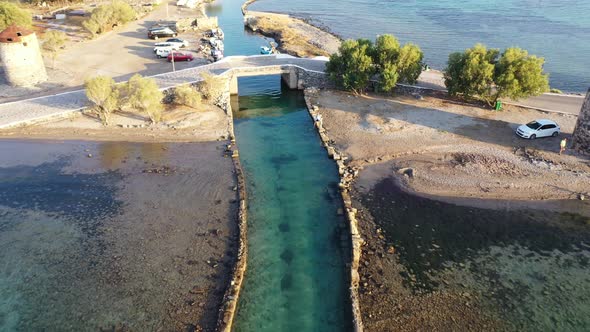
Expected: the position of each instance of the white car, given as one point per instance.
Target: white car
(538, 128)
(163, 52)
(165, 46)
(177, 41)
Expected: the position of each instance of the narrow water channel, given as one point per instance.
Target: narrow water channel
(296, 278)
(238, 40)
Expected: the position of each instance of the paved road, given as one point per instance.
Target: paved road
(35, 109)
(42, 108)
(570, 104)
(551, 102)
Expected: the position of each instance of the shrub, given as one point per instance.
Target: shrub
(212, 87)
(554, 90)
(105, 17)
(103, 93)
(187, 95)
(143, 95)
(11, 13)
(52, 43)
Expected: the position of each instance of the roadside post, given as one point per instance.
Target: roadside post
(172, 54)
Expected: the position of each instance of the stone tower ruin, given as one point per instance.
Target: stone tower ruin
(20, 57)
(582, 131)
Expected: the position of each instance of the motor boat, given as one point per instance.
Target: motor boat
(266, 50)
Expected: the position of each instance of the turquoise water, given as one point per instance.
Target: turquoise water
(296, 279)
(556, 30)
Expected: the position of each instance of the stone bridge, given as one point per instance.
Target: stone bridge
(297, 73)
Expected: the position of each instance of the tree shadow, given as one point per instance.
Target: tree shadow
(486, 130)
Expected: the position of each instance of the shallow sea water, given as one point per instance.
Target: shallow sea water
(99, 243)
(296, 279)
(559, 31)
(528, 267)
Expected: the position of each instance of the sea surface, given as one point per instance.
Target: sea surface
(558, 30)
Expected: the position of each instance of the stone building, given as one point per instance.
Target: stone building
(581, 140)
(20, 57)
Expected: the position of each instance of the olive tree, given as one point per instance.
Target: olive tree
(52, 42)
(520, 75)
(104, 95)
(143, 95)
(11, 13)
(352, 67)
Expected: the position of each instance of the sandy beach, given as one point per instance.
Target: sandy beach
(447, 149)
(179, 124)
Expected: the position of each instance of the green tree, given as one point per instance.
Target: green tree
(409, 63)
(352, 67)
(11, 13)
(520, 75)
(471, 73)
(103, 93)
(386, 50)
(187, 95)
(52, 42)
(143, 94)
(483, 73)
(105, 17)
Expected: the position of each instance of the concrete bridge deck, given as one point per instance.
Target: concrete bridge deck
(43, 108)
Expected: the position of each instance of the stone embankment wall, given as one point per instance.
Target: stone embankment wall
(347, 175)
(581, 139)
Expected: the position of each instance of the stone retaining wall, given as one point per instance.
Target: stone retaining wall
(229, 304)
(347, 175)
(581, 138)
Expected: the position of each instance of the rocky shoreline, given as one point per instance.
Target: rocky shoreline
(295, 36)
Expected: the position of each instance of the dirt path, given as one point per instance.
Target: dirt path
(447, 149)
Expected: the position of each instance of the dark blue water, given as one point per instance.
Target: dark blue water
(557, 30)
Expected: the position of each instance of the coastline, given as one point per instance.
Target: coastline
(295, 36)
(398, 286)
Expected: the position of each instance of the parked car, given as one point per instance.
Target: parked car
(180, 56)
(178, 41)
(163, 52)
(538, 128)
(161, 32)
(168, 46)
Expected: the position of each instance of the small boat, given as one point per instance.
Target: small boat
(266, 50)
